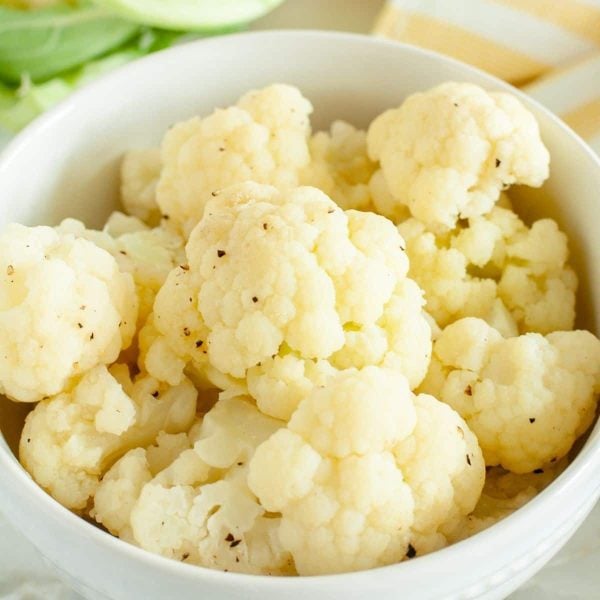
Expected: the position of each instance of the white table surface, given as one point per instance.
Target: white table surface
(574, 574)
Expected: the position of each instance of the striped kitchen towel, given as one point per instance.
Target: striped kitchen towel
(550, 48)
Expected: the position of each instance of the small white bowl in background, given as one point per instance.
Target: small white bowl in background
(66, 164)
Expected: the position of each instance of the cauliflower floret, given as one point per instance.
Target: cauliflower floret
(448, 152)
(199, 509)
(340, 167)
(264, 138)
(537, 285)
(140, 171)
(383, 201)
(496, 268)
(442, 272)
(64, 308)
(274, 274)
(526, 398)
(503, 494)
(358, 477)
(443, 465)
(148, 254)
(122, 484)
(70, 440)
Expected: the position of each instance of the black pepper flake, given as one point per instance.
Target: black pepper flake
(538, 471)
(199, 343)
(221, 149)
(265, 226)
(331, 211)
(532, 419)
(254, 299)
(162, 522)
(411, 552)
(229, 537)
(186, 331)
(190, 299)
(155, 394)
(468, 460)
(460, 432)
(553, 459)
(505, 186)
(29, 440)
(469, 390)
(213, 194)
(235, 543)
(221, 253)
(185, 556)
(184, 267)
(455, 104)
(166, 217)
(10, 270)
(240, 464)
(237, 559)
(82, 307)
(80, 325)
(498, 162)
(123, 252)
(92, 335)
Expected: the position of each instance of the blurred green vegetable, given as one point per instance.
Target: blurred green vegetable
(47, 53)
(199, 15)
(42, 43)
(20, 106)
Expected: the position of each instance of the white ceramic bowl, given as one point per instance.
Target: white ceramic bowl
(66, 165)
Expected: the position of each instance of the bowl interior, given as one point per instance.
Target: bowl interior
(66, 164)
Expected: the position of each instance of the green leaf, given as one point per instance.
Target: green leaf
(42, 43)
(199, 15)
(20, 106)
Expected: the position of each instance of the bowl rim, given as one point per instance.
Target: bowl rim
(582, 468)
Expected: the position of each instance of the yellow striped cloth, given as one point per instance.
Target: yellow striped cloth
(550, 48)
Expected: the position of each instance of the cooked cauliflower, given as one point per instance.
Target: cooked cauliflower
(199, 508)
(442, 272)
(496, 268)
(147, 254)
(64, 308)
(263, 138)
(358, 477)
(443, 465)
(448, 152)
(526, 398)
(340, 167)
(70, 440)
(383, 201)
(140, 171)
(504, 493)
(122, 484)
(247, 373)
(289, 274)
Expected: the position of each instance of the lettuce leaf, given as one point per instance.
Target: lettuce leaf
(43, 43)
(20, 106)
